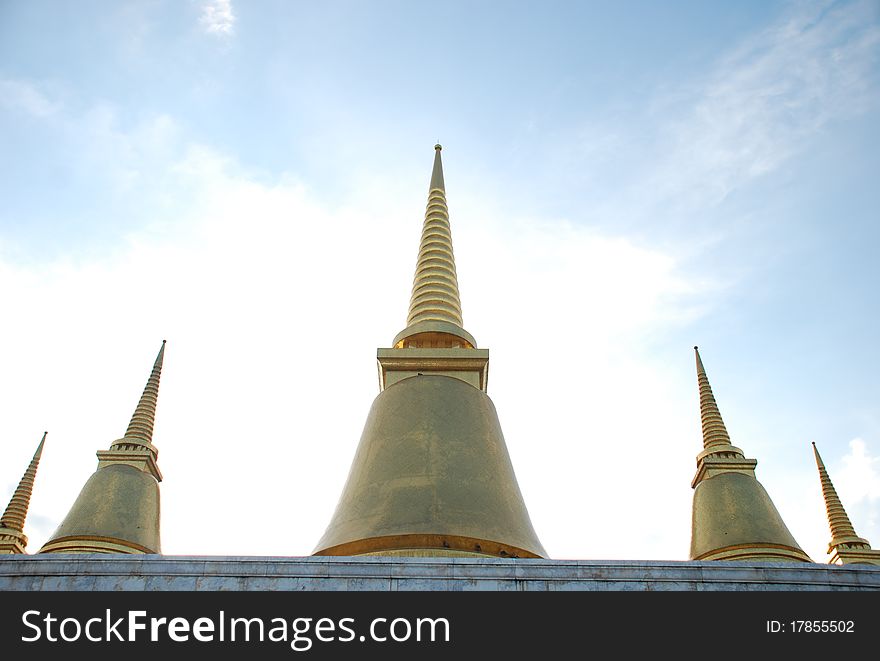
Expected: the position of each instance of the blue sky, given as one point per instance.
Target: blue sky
(625, 180)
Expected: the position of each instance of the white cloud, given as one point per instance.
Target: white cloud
(859, 479)
(218, 18)
(762, 103)
(125, 157)
(22, 95)
(98, 142)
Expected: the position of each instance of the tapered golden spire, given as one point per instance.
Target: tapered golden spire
(845, 546)
(435, 305)
(117, 510)
(12, 537)
(733, 515)
(838, 521)
(434, 340)
(435, 285)
(432, 475)
(141, 426)
(714, 431)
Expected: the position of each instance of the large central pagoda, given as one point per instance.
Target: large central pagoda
(432, 475)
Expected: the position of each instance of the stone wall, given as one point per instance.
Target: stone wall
(156, 572)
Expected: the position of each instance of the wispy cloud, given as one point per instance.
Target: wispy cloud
(760, 105)
(22, 95)
(218, 18)
(119, 163)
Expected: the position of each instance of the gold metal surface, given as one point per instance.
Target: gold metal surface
(735, 519)
(436, 333)
(435, 286)
(714, 431)
(845, 547)
(733, 516)
(469, 365)
(12, 537)
(425, 545)
(117, 510)
(435, 298)
(432, 471)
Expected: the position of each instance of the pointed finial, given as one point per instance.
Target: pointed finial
(140, 429)
(437, 172)
(39, 452)
(818, 457)
(15, 514)
(714, 432)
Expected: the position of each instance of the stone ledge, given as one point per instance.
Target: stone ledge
(375, 573)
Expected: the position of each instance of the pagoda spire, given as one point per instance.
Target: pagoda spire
(434, 340)
(845, 546)
(435, 294)
(733, 515)
(12, 537)
(714, 432)
(434, 318)
(838, 521)
(117, 510)
(140, 429)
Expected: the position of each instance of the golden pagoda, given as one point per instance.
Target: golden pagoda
(432, 475)
(845, 546)
(117, 510)
(12, 537)
(733, 515)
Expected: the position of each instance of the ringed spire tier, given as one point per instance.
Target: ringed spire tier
(714, 432)
(432, 475)
(140, 429)
(434, 318)
(117, 510)
(733, 515)
(12, 537)
(845, 547)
